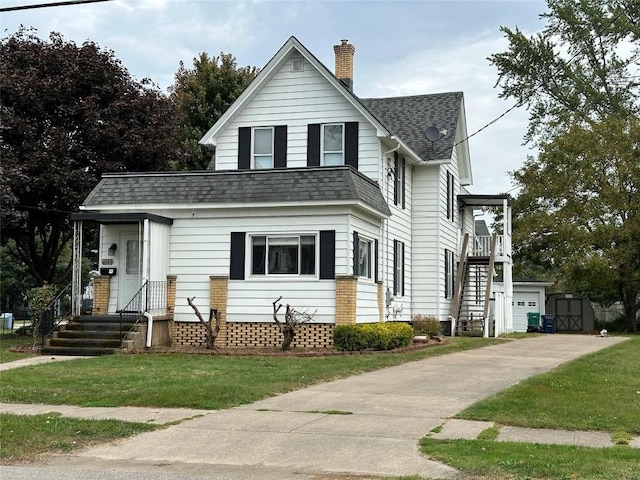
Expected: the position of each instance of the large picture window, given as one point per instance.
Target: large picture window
(333, 144)
(283, 255)
(263, 147)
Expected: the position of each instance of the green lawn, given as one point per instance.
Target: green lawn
(26, 437)
(192, 381)
(600, 391)
(6, 342)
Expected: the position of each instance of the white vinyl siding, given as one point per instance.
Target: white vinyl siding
(297, 99)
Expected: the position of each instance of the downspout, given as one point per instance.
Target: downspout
(149, 318)
(385, 250)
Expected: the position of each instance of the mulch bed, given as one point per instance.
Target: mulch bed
(293, 352)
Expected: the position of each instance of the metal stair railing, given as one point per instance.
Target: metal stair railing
(151, 296)
(55, 313)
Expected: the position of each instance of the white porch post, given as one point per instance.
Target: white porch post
(76, 277)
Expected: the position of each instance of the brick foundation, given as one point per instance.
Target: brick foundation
(218, 293)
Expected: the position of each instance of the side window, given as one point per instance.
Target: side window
(332, 146)
(450, 196)
(448, 273)
(364, 257)
(398, 267)
(262, 154)
(399, 180)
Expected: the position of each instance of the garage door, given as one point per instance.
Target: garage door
(523, 303)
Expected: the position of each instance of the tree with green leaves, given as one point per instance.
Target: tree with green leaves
(202, 94)
(69, 113)
(578, 208)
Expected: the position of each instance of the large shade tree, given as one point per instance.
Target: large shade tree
(578, 209)
(202, 94)
(69, 113)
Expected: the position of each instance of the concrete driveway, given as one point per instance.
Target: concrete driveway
(367, 424)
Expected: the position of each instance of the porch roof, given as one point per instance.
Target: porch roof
(277, 185)
(469, 200)
(120, 217)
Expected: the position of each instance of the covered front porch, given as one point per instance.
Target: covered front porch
(130, 285)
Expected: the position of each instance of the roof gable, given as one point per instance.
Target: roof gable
(291, 46)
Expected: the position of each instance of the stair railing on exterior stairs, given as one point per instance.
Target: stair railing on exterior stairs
(55, 312)
(150, 297)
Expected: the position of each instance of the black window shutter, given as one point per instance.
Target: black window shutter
(327, 254)
(244, 148)
(402, 269)
(447, 267)
(395, 267)
(356, 250)
(351, 144)
(404, 185)
(313, 145)
(396, 174)
(375, 260)
(280, 147)
(236, 270)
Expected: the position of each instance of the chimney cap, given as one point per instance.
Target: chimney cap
(344, 41)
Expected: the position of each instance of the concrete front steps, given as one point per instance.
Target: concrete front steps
(88, 335)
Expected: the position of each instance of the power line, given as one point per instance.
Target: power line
(558, 67)
(52, 4)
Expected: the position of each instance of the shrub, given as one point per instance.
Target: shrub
(372, 336)
(429, 326)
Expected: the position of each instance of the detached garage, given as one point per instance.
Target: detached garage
(528, 297)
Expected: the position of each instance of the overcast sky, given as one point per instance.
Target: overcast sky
(402, 48)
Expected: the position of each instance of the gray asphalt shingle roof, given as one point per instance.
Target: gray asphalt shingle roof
(323, 184)
(409, 117)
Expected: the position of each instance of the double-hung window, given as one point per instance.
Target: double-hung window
(262, 147)
(449, 273)
(398, 267)
(364, 257)
(283, 255)
(332, 144)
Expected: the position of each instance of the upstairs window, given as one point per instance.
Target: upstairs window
(290, 255)
(263, 147)
(451, 196)
(332, 144)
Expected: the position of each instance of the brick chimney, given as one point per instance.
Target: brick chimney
(344, 62)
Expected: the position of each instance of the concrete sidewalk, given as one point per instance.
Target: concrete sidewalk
(367, 424)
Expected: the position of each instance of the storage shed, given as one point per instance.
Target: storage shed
(574, 313)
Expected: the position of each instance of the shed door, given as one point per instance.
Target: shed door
(523, 303)
(129, 280)
(569, 314)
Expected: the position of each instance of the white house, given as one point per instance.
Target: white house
(356, 209)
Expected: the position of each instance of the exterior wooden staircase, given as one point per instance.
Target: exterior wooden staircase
(472, 290)
(89, 335)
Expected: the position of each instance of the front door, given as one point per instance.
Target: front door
(129, 272)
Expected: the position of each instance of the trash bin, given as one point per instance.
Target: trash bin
(549, 323)
(6, 320)
(533, 319)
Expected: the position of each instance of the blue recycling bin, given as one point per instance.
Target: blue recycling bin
(548, 323)
(6, 321)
